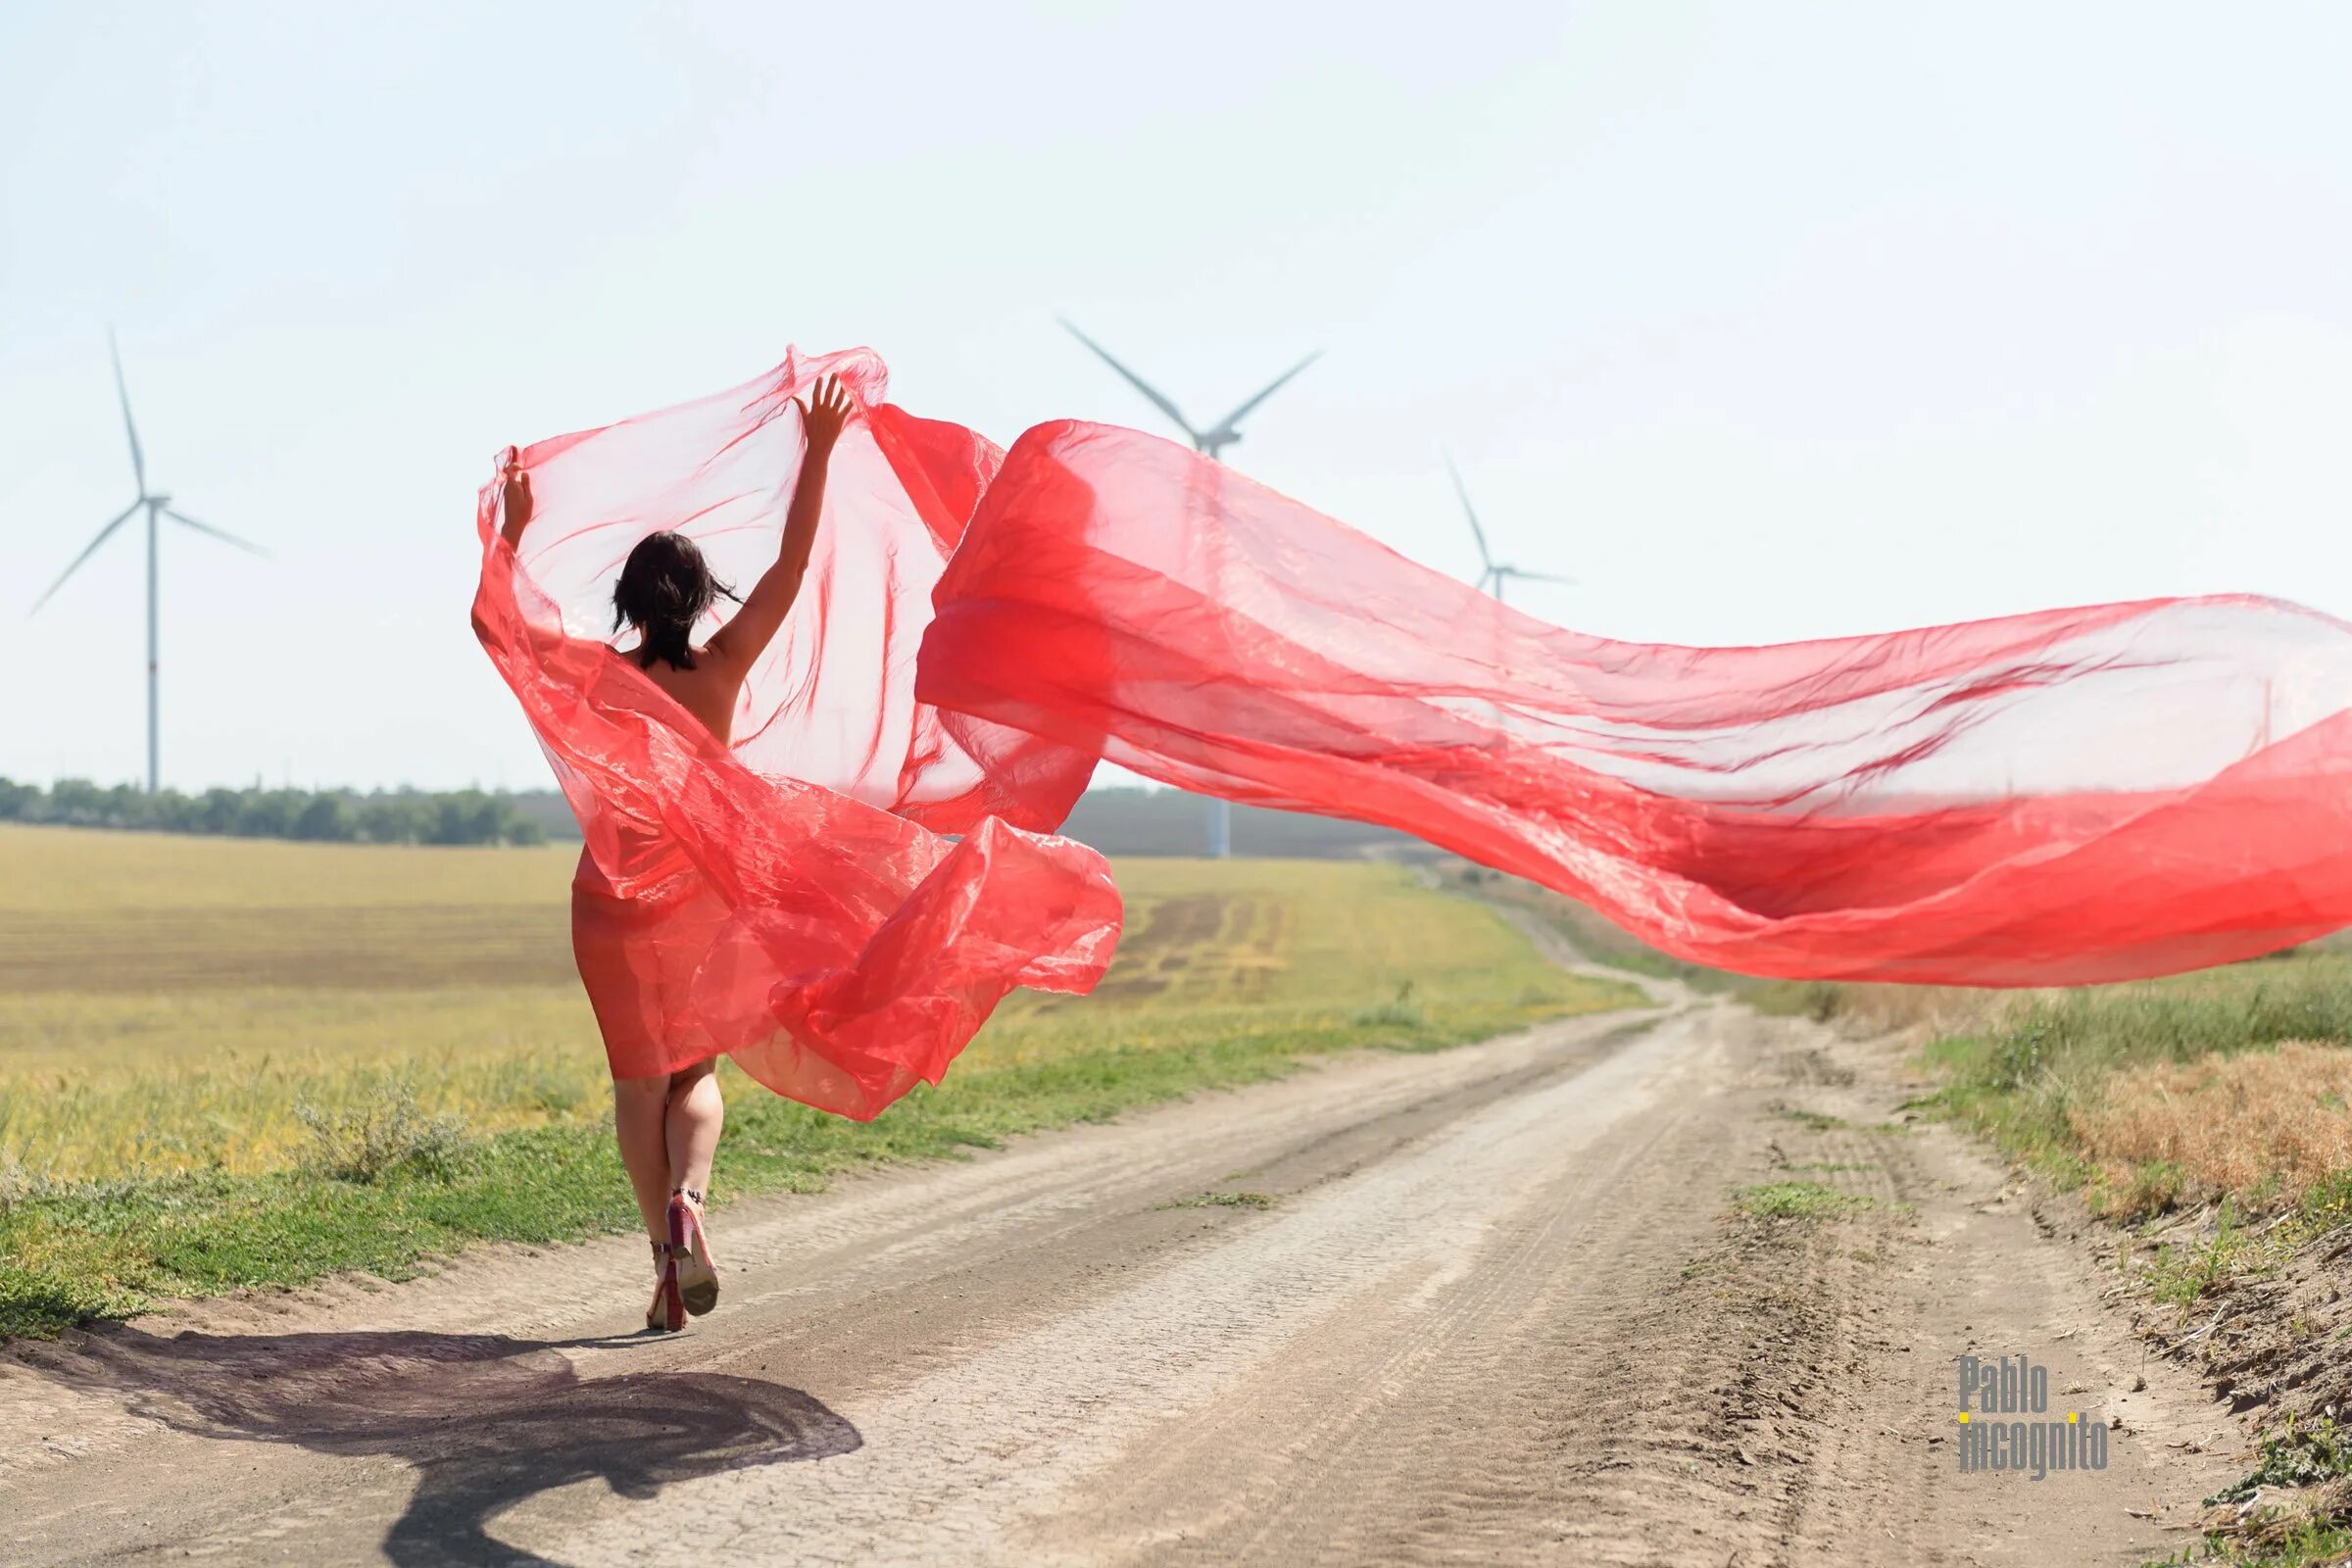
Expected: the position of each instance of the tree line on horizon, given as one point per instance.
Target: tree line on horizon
(322, 817)
(1115, 819)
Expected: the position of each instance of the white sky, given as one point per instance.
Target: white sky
(1765, 320)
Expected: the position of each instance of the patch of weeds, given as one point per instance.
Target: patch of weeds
(2182, 1273)
(1822, 1122)
(2307, 1543)
(19, 1184)
(385, 1134)
(1400, 1011)
(1805, 1201)
(2145, 1190)
(1817, 999)
(2306, 1468)
(558, 1095)
(2296, 1454)
(1222, 1200)
(2327, 1204)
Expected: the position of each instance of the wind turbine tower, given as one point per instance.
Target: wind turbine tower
(1211, 443)
(157, 506)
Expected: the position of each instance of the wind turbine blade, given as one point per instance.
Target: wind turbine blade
(1134, 380)
(1272, 387)
(87, 551)
(1486, 556)
(1538, 576)
(220, 534)
(139, 459)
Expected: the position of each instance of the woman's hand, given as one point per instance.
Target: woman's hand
(515, 497)
(824, 412)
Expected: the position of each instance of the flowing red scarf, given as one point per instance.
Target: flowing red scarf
(2063, 797)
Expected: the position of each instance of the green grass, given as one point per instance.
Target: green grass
(1800, 1201)
(175, 1003)
(87, 1249)
(1817, 999)
(258, 1111)
(1819, 1121)
(2309, 1546)
(2048, 1055)
(1223, 1200)
(2181, 1273)
(2296, 1454)
(1593, 935)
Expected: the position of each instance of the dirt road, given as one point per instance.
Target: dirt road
(1481, 1306)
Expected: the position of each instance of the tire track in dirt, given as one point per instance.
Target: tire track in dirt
(1028, 1427)
(1452, 1418)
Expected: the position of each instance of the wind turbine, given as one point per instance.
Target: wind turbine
(157, 506)
(1494, 573)
(1217, 437)
(1211, 443)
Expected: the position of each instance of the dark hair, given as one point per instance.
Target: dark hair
(665, 588)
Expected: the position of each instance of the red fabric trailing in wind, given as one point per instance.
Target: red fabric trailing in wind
(791, 900)
(2073, 796)
(2076, 796)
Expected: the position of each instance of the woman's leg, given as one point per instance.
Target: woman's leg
(695, 1114)
(640, 1118)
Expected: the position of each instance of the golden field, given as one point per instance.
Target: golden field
(168, 1003)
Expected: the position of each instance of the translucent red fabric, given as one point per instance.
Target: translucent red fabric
(2071, 796)
(788, 902)
(2074, 796)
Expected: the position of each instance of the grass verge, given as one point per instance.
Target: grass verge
(382, 1181)
(82, 1251)
(2227, 1087)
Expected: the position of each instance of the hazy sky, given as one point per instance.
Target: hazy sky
(1764, 321)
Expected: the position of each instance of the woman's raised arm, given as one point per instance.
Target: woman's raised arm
(516, 499)
(742, 640)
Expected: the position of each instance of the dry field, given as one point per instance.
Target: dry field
(172, 1003)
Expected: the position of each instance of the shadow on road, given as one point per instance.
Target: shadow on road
(486, 1421)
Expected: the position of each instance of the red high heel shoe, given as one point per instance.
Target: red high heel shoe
(668, 1311)
(690, 1249)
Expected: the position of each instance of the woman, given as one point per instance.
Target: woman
(667, 1116)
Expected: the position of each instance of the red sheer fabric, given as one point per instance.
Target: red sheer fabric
(788, 902)
(2071, 796)
(2075, 795)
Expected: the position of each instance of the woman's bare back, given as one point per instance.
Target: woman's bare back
(709, 691)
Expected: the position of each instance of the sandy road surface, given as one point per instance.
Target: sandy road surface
(1481, 1306)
